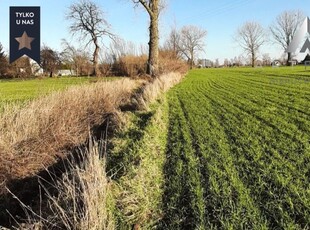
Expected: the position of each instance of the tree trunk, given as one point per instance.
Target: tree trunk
(192, 59)
(152, 67)
(253, 59)
(96, 71)
(289, 55)
(77, 72)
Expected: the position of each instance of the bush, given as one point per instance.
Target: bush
(130, 66)
(169, 62)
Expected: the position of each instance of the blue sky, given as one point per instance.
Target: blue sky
(219, 18)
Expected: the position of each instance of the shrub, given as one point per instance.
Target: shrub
(130, 66)
(169, 62)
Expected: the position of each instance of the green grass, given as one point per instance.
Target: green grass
(238, 151)
(136, 165)
(19, 91)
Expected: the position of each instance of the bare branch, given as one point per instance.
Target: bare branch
(145, 5)
(150, 5)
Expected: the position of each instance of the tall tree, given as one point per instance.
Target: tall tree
(191, 42)
(153, 8)
(251, 36)
(87, 20)
(284, 28)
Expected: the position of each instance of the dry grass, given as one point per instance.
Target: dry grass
(84, 193)
(157, 87)
(84, 199)
(33, 137)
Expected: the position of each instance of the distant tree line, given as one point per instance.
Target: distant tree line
(88, 24)
(121, 57)
(20, 68)
(251, 36)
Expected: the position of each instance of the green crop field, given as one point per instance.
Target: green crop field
(239, 150)
(18, 91)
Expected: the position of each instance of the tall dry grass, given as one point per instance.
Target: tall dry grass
(133, 66)
(33, 137)
(160, 85)
(84, 194)
(83, 199)
(130, 65)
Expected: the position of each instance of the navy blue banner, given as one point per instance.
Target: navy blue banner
(25, 33)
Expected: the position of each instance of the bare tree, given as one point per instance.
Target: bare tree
(87, 20)
(285, 27)
(120, 48)
(251, 36)
(50, 60)
(241, 60)
(68, 56)
(173, 41)
(75, 58)
(266, 59)
(226, 62)
(153, 8)
(191, 42)
(216, 63)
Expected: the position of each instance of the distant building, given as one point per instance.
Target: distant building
(205, 63)
(66, 72)
(306, 59)
(36, 68)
